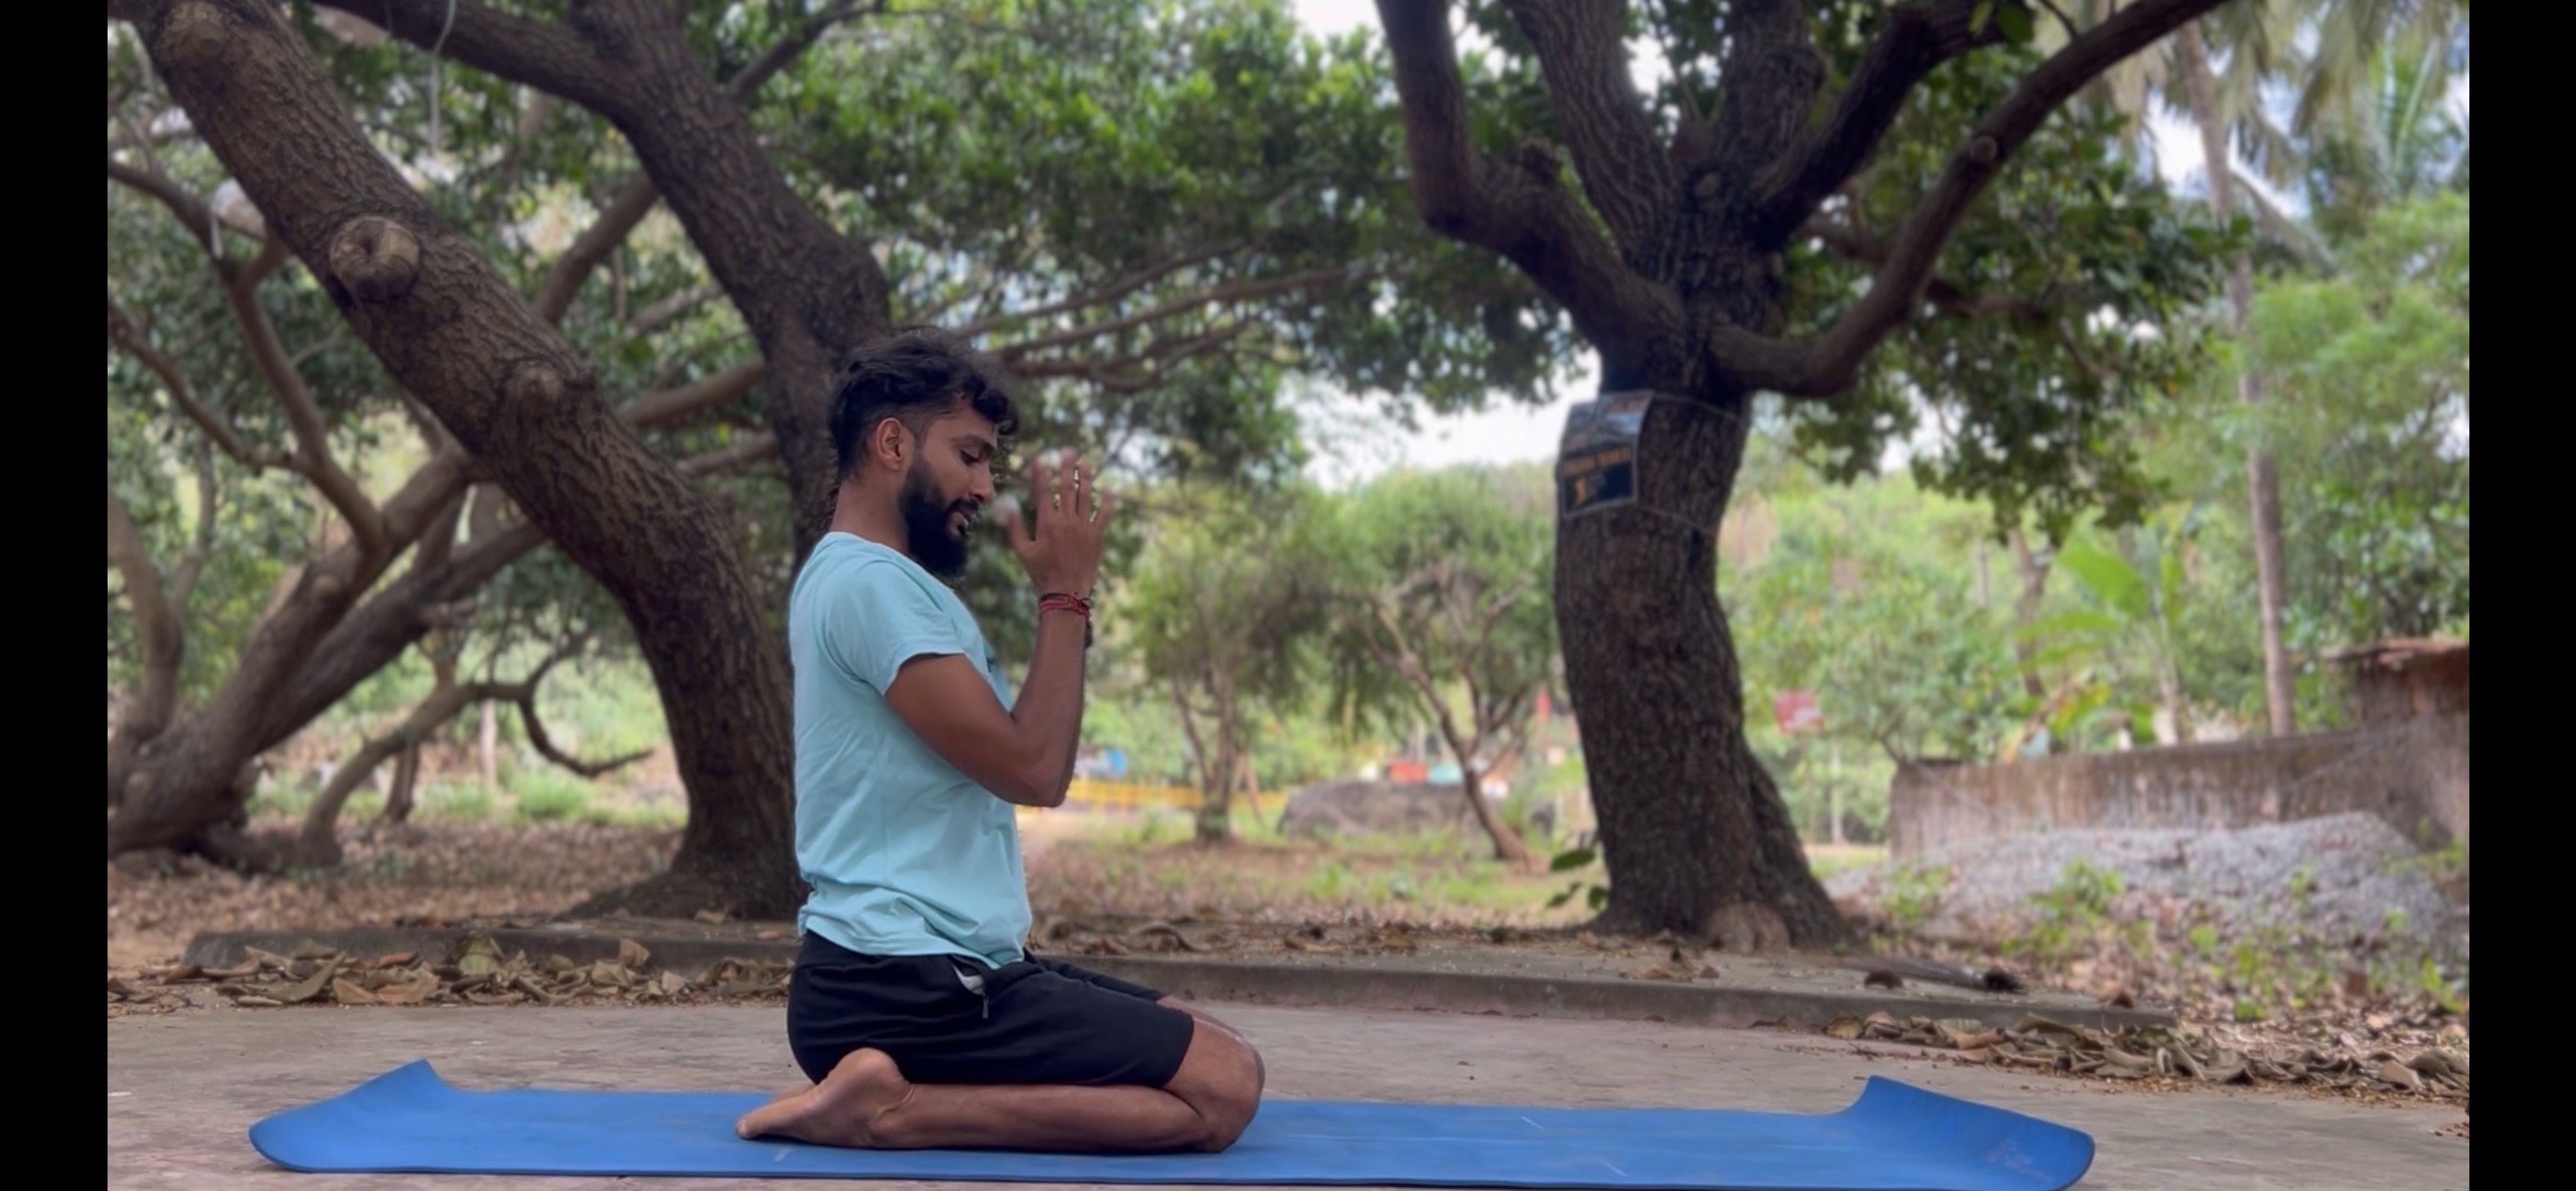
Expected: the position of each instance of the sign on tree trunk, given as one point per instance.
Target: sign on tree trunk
(1597, 461)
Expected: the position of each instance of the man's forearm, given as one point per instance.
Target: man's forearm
(1051, 702)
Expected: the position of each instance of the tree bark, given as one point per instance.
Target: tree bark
(1509, 847)
(399, 800)
(2034, 588)
(449, 330)
(318, 845)
(164, 642)
(1694, 832)
(1218, 773)
(2263, 482)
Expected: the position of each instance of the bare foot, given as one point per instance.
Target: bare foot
(840, 1111)
(793, 1092)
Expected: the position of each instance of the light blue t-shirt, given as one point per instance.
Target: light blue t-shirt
(902, 853)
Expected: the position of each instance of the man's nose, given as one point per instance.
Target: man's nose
(980, 488)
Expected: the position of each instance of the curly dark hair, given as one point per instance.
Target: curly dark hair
(916, 376)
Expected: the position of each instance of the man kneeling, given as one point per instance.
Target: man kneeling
(913, 1007)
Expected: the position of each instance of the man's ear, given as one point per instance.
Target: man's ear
(890, 439)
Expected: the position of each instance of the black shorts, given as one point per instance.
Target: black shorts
(1038, 1021)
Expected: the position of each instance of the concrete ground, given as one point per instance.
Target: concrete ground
(182, 1089)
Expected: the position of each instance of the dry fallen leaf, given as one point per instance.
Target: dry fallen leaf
(407, 992)
(632, 954)
(1844, 1027)
(307, 988)
(710, 917)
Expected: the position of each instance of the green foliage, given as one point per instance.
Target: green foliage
(1220, 616)
(2070, 914)
(1332, 881)
(2373, 371)
(1913, 891)
(461, 801)
(2031, 414)
(1442, 610)
(1069, 144)
(1584, 855)
(551, 796)
(1859, 600)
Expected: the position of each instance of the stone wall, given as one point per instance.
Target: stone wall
(2414, 774)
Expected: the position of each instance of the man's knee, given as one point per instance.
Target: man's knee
(1222, 1080)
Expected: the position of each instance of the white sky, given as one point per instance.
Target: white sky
(1508, 432)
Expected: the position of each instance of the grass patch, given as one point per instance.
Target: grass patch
(1826, 860)
(467, 801)
(551, 796)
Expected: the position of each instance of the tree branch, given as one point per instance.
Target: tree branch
(240, 282)
(540, 54)
(526, 700)
(752, 449)
(1828, 365)
(1107, 293)
(192, 212)
(1519, 210)
(313, 457)
(652, 317)
(380, 629)
(123, 335)
(1627, 175)
(1259, 288)
(1919, 36)
(1946, 296)
(674, 405)
(776, 58)
(633, 201)
(183, 577)
(1107, 374)
(154, 622)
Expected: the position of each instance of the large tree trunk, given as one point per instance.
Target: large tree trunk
(448, 329)
(2263, 481)
(1693, 830)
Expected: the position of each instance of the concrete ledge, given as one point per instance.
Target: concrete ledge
(1250, 981)
(1579, 997)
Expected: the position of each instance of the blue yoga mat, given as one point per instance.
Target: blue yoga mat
(1895, 1137)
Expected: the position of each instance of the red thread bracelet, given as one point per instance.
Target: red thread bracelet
(1056, 601)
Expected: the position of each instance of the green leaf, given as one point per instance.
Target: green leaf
(1600, 896)
(1577, 858)
(1562, 898)
(2015, 20)
(2073, 622)
(1977, 16)
(2108, 576)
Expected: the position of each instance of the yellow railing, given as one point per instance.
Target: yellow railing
(1088, 794)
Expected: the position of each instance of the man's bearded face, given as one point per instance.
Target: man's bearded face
(935, 523)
